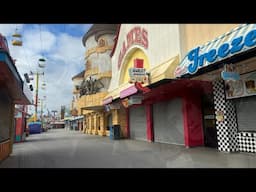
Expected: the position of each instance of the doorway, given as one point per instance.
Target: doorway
(209, 121)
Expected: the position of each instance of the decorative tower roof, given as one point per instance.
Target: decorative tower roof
(79, 75)
(100, 29)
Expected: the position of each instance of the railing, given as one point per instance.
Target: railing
(91, 100)
(5, 149)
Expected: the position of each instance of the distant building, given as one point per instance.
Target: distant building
(93, 87)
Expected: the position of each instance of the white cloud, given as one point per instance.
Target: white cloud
(39, 42)
(64, 58)
(9, 29)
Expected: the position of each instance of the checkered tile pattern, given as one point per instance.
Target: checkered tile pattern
(226, 130)
(247, 142)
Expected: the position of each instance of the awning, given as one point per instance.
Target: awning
(114, 94)
(234, 42)
(11, 80)
(164, 70)
(94, 108)
(73, 118)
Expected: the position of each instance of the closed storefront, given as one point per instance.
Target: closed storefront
(246, 116)
(138, 123)
(168, 122)
(229, 62)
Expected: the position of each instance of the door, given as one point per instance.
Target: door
(168, 122)
(109, 121)
(138, 123)
(209, 122)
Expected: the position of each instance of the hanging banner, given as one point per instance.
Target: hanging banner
(246, 86)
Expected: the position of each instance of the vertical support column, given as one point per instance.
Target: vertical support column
(96, 124)
(90, 123)
(11, 125)
(226, 129)
(127, 122)
(149, 117)
(102, 124)
(115, 120)
(85, 124)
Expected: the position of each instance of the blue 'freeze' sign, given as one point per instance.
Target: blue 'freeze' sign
(238, 40)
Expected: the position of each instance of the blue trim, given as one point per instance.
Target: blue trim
(239, 40)
(18, 138)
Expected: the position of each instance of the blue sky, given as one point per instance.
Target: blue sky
(61, 46)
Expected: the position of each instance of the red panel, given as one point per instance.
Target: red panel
(138, 63)
(149, 117)
(141, 88)
(190, 91)
(18, 126)
(185, 121)
(192, 114)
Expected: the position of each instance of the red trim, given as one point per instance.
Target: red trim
(116, 40)
(141, 88)
(149, 118)
(190, 91)
(192, 119)
(127, 123)
(185, 121)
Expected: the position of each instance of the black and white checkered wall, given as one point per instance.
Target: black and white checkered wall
(246, 142)
(229, 139)
(227, 129)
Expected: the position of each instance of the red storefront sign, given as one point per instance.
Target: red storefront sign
(136, 35)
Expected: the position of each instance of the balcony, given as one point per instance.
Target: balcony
(92, 102)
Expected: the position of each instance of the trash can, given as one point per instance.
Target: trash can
(35, 127)
(114, 132)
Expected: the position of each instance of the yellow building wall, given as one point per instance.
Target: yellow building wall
(124, 77)
(119, 118)
(115, 117)
(192, 35)
(122, 121)
(90, 100)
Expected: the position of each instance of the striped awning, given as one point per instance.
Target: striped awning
(232, 38)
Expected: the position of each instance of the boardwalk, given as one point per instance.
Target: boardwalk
(72, 149)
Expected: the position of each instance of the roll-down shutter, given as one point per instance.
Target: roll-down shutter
(138, 123)
(168, 122)
(246, 113)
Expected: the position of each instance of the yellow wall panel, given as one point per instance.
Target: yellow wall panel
(129, 63)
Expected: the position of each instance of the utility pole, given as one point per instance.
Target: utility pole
(41, 64)
(36, 96)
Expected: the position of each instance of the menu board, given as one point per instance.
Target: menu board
(246, 86)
